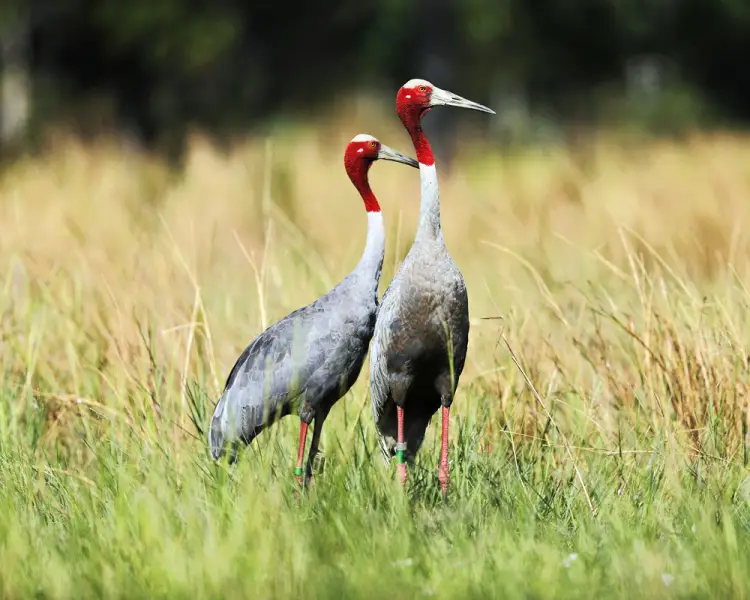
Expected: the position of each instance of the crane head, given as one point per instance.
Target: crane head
(360, 153)
(417, 96)
(364, 149)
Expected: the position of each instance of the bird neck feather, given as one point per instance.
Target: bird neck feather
(429, 209)
(372, 257)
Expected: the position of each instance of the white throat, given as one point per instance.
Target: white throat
(372, 257)
(429, 208)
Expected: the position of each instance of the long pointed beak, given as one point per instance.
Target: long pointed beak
(446, 98)
(387, 153)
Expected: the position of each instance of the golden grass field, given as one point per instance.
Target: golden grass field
(104, 239)
(615, 270)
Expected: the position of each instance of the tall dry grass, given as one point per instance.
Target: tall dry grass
(110, 243)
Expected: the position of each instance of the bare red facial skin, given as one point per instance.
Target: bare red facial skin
(358, 159)
(411, 104)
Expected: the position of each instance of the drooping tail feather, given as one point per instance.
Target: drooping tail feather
(217, 433)
(230, 428)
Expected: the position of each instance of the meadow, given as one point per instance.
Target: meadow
(599, 440)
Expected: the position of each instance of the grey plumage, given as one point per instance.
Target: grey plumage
(322, 345)
(421, 333)
(309, 359)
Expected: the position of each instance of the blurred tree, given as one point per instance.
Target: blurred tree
(15, 81)
(227, 65)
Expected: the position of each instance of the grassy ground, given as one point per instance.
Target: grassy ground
(599, 444)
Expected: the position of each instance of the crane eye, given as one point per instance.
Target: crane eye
(373, 144)
(422, 88)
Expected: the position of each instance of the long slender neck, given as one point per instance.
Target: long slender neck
(429, 208)
(371, 263)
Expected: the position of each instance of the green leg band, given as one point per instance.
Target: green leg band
(400, 457)
(298, 470)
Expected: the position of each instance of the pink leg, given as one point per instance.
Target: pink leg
(301, 451)
(443, 473)
(401, 446)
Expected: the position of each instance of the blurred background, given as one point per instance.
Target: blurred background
(153, 71)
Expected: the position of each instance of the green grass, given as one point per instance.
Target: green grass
(125, 516)
(542, 504)
(601, 452)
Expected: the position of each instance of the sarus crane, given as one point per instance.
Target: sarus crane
(309, 359)
(422, 329)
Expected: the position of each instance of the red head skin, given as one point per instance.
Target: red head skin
(358, 159)
(411, 104)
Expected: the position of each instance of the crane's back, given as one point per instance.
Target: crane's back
(305, 361)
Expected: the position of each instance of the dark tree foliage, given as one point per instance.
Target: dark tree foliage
(227, 65)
